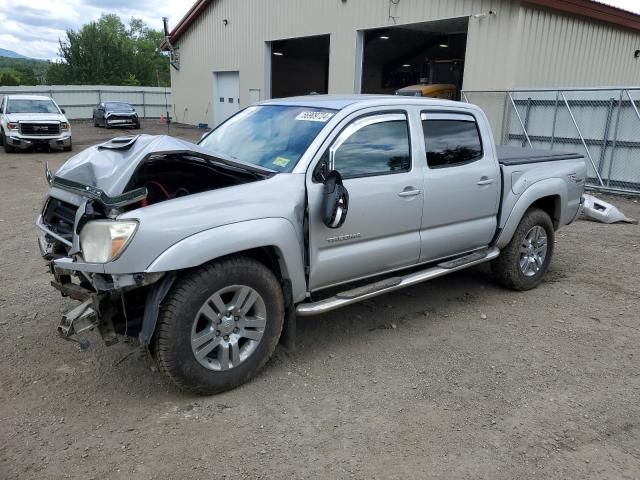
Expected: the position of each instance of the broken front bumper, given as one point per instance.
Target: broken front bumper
(106, 301)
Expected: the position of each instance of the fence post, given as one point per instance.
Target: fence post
(605, 137)
(144, 105)
(633, 104)
(575, 124)
(615, 139)
(526, 119)
(555, 119)
(524, 130)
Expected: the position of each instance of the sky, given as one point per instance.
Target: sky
(33, 27)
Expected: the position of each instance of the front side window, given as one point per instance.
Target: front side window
(377, 148)
(272, 136)
(15, 105)
(451, 142)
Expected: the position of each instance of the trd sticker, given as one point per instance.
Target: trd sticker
(314, 116)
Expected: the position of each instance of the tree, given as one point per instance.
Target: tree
(108, 52)
(9, 79)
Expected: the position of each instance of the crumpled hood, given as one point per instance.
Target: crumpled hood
(110, 169)
(34, 117)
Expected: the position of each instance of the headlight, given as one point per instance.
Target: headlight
(64, 126)
(104, 240)
(12, 126)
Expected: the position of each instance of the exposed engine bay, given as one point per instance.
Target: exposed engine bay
(170, 176)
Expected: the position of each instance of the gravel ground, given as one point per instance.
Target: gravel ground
(456, 378)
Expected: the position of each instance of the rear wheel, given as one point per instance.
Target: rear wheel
(524, 261)
(95, 122)
(219, 325)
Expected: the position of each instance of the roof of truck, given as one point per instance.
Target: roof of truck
(338, 102)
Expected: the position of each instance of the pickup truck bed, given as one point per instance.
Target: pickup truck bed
(510, 155)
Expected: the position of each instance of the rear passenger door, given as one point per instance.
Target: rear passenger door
(373, 154)
(461, 185)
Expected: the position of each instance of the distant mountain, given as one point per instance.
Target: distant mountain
(10, 54)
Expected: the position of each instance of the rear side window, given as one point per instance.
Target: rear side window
(451, 142)
(376, 149)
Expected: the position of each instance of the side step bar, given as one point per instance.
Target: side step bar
(394, 283)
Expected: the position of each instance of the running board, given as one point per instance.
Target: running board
(394, 283)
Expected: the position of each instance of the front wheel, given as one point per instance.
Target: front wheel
(219, 325)
(524, 261)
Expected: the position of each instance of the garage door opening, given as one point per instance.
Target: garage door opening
(299, 66)
(416, 59)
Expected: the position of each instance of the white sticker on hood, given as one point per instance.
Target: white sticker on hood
(314, 116)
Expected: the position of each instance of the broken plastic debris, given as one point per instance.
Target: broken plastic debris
(595, 209)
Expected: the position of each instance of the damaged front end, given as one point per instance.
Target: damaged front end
(89, 220)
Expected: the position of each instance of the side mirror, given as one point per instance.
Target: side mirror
(62, 110)
(335, 202)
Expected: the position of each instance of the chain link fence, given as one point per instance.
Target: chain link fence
(602, 124)
(80, 100)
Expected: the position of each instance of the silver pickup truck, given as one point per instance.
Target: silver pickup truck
(296, 206)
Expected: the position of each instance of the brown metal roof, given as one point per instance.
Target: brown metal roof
(583, 8)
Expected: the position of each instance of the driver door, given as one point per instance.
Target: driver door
(381, 232)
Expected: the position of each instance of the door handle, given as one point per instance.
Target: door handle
(486, 181)
(410, 192)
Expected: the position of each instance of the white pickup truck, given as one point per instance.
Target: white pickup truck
(31, 120)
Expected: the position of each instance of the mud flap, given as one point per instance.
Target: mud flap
(155, 298)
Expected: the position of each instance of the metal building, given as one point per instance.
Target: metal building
(230, 53)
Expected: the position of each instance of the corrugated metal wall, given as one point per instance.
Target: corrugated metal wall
(521, 46)
(210, 46)
(559, 50)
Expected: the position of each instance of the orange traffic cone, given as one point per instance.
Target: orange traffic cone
(162, 119)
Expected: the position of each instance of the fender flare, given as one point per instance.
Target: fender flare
(544, 188)
(217, 242)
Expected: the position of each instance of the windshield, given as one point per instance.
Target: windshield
(118, 107)
(15, 105)
(271, 136)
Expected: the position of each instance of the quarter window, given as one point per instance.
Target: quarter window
(451, 142)
(375, 149)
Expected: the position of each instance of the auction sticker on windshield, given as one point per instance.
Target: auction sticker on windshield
(314, 116)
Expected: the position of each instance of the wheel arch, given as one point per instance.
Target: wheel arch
(548, 195)
(271, 241)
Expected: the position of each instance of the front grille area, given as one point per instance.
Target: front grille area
(128, 118)
(40, 128)
(59, 217)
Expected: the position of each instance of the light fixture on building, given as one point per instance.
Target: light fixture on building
(278, 54)
(406, 65)
(444, 45)
(383, 37)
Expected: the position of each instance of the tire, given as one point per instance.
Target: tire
(7, 148)
(69, 148)
(191, 309)
(137, 125)
(1, 138)
(95, 122)
(514, 268)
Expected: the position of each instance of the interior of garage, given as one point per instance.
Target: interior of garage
(300, 66)
(413, 54)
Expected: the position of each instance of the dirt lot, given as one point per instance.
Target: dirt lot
(456, 378)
